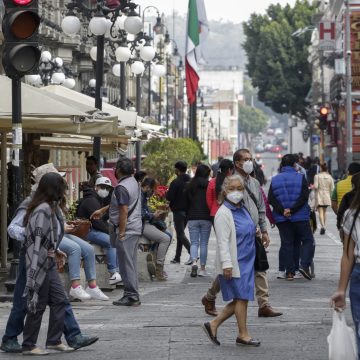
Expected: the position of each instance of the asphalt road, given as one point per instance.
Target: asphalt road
(168, 323)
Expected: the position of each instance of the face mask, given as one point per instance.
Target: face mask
(103, 193)
(235, 196)
(248, 167)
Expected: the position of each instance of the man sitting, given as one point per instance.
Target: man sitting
(99, 232)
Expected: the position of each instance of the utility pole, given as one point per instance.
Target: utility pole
(349, 150)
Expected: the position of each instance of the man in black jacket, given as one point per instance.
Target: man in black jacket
(99, 232)
(177, 200)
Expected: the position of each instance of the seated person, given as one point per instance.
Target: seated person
(99, 232)
(150, 231)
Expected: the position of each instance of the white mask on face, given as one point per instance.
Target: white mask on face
(248, 166)
(103, 193)
(235, 196)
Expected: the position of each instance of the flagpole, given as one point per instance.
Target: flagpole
(193, 119)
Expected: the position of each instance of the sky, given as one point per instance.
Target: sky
(232, 10)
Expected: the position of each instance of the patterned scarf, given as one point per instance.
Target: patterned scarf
(42, 234)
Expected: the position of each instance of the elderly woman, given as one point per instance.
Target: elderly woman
(235, 236)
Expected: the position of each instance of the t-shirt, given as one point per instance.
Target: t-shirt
(355, 235)
(122, 195)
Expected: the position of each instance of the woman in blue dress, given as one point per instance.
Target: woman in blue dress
(235, 256)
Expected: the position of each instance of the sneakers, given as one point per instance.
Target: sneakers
(126, 301)
(203, 273)
(298, 275)
(115, 278)
(82, 340)
(322, 231)
(305, 273)
(96, 294)
(35, 351)
(79, 293)
(189, 262)
(194, 270)
(281, 275)
(11, 346)
(60, 347)
(174, 261)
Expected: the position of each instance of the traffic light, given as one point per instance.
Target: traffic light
(21, 53)
(323, 115)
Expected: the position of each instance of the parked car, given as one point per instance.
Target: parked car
(276, 149)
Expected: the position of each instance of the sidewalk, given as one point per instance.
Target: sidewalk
(168, 323)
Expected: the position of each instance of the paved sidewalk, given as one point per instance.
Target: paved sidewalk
(168, 323)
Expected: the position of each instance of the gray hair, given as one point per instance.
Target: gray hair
(226, 184)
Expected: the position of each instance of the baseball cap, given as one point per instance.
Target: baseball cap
(40, 171)
(103, 181)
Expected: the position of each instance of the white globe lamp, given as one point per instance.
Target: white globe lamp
(58, 78)
(69, 83)
(33, 79)
(137, 67)
(71, 25)
(116, 70)
(93, 53)
(92, 83)
(58, 61)
(98, 25)
(133, 23)
(45, 56)
(159, 70)
(147, 53)
(122, 54)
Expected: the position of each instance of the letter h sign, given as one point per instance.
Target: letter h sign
(327, 28)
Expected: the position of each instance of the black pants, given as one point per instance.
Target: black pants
(51, 293)
(180, 222)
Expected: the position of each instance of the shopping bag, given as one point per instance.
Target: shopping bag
(341, 340)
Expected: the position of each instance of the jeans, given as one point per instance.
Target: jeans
(294, 235)
(102, 239)
(181, 239)
(15, 323)
(199, 231)
(77, 249)
(354, 294)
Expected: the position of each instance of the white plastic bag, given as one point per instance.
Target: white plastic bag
(341, 340)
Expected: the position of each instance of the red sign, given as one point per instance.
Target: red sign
(327, 28)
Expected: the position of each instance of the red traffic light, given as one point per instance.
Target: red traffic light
(22, 2)
(324, 111)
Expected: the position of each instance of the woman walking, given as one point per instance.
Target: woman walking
(199, 220)
(44, 231)
(324, 186)
(350, 263)
(235, 256)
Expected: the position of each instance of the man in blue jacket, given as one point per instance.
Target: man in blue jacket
(288, 195)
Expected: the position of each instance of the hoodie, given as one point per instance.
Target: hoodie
(175, 194)
(195, 195)
(88, 204)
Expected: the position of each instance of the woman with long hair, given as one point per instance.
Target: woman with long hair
(324, 186)
(199, 220)
(350, 263)
(44, 230)
(235, 256)
(226, 168)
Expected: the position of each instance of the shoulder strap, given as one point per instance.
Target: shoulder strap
(253, 198)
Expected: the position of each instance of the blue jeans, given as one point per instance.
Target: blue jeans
(77, 249)
(199, 231)
(15, 323)
(102, 239)
(354, 294)
(295, 235)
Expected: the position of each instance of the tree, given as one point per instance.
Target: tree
(277, 60)
(163, 154)
(251, 120)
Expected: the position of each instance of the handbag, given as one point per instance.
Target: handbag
(81, 228)
(341, 340)
(261, 262)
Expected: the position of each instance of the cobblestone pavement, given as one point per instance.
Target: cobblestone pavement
(168, 323)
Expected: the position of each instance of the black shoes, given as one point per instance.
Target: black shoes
(82, 340)
(305, 273)
(322, 231)
(194, 271)
(127, 301)
(207, 329)
(174, 261)
(250, 342)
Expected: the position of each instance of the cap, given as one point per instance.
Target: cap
(103, 181)
(38, 173)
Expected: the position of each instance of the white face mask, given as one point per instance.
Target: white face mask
(103, 193)
(248, 166)
(235, 196)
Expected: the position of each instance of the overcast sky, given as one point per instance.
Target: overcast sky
(233, 10)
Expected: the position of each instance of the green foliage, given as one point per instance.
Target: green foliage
(251, 120)
(163, 154)
(277, 60)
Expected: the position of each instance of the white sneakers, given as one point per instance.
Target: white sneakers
(81, 294)
(96, 294)
(281, 275)
(115, 279)
(298, 275)
(203, 273)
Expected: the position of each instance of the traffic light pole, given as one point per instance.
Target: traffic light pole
(98, 89)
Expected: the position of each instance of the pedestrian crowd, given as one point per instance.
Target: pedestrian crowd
(228, 198)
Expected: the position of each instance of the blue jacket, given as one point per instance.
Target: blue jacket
(289, 190)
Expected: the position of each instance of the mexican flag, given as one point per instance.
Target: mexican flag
(197, 31)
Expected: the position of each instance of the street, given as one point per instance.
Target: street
(168, 323)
